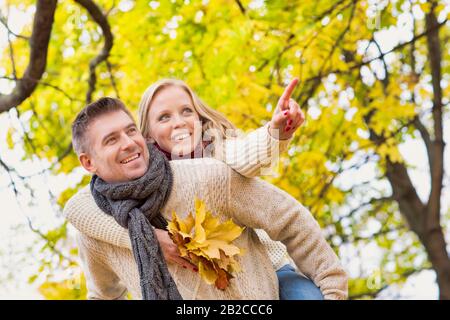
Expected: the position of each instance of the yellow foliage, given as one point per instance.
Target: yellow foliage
(207, 243)
(70, 289)
(389, 150)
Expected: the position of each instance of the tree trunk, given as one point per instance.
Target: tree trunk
(434, 240)
(424, 219)
(435, 246)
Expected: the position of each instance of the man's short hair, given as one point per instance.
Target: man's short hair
(86, 116)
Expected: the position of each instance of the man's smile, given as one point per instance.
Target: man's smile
(130, 158)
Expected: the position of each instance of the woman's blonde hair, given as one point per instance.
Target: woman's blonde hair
(214, 123)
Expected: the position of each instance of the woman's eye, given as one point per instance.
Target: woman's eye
(187, 110)
(163, 117)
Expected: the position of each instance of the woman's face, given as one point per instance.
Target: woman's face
(174, 124)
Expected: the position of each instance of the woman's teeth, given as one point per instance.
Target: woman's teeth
(181, 136)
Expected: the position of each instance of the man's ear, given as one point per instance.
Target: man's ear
(87, 163)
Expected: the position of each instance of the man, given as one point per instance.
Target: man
(109, 146)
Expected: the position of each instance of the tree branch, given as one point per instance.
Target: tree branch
(39, 41)
(386, 72)
(241, 6)
(111, 76)
(4, 22)
(417, 122)
(371, 202)
(363, 63)
(426, 139)
(353, 239)
(101, 19)
(434, 239)
(316, 82)
(437, 150)
(333, 8)
(11, 55)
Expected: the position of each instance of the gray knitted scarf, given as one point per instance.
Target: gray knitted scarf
(135, 205)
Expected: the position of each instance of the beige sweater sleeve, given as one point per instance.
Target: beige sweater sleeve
(260, 205)
(101, 281)
(254, 154)
(91, 221)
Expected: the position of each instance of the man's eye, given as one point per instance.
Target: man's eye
(132, 131)
(111, 141)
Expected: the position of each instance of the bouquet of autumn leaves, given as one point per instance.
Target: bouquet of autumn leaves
(207, 243)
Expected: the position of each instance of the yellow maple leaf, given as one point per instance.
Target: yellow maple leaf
(200, 215)
(207, 243)
(207, 272)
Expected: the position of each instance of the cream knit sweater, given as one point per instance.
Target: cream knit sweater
(252, 203)
(252, 155)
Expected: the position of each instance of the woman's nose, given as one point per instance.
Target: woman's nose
(178, 122)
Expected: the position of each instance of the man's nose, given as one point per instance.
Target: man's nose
(127, 142)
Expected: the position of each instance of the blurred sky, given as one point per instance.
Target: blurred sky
(17, 241)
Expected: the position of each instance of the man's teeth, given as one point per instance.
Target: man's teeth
(182, 136)
(130, 158)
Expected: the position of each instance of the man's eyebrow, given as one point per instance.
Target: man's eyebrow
(131, 125)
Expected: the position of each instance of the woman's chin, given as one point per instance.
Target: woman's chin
(182, 150)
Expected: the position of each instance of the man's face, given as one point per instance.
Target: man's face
(117, 150)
